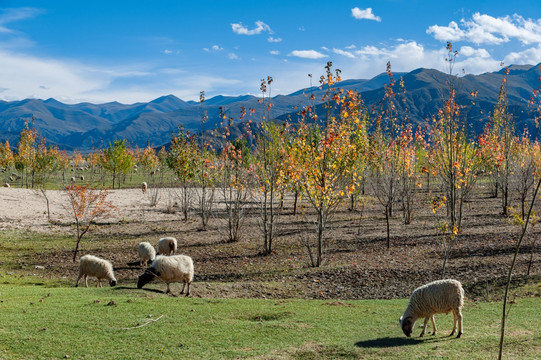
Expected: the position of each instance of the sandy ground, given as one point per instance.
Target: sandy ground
(27, 209)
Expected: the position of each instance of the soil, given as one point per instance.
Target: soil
(358, 264)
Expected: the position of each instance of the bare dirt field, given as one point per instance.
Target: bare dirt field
(358, 264)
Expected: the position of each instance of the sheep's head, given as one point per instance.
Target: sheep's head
(112, 282)
(147, 277)
(407, 325)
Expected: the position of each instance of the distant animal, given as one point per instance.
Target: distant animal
(437, 297)
(90, 265)
(82, 177)
(146, 253)
(6, 185)
(72, 179)
(176, 268)
(167, 246)
(144, 187)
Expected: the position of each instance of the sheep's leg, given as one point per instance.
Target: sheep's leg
(424, 327)
(98, 283)
(433, 325)
(188, 290)
(86, 280)
(168, 289)
(78, 278)
(183, 286)
(457, 316)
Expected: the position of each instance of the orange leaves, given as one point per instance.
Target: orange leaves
(87, 204)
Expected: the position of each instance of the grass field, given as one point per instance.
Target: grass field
(80, 323)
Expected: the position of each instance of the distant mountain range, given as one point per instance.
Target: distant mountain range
(85, 125)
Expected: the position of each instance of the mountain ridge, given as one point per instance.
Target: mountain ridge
(85, 125)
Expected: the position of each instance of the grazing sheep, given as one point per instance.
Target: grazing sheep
(6, 185)
(437, 297)
(169, 269)
(146, 253)
(144, 187)
(167, 246)
(82, 177)
(11, 178)
(94, 266)
(72, 179)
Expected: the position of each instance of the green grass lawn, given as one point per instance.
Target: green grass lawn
(50, 323)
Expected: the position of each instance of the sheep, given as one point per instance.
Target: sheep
(90, 265)
(437, 297)
(146, 253)
(169, 269)
(72, 179)
(82, 177)
(6, 185)
(144, 187)
(167, 246)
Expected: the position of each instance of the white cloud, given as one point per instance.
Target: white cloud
(274, 52)
(364, 14)
(486, 29)
(232, 56)
(16, 14)
(528, 56)
(217, 48)
(308, 54)
(274, 40)
(344, 53)
(468, 51)
(169, 52)
(243, 30)
(351, 47)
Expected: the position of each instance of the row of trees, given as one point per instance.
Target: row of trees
(333, 153)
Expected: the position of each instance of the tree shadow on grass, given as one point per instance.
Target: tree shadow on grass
(389, 342)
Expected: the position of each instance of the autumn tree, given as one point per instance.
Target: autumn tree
(7, 159)
(47, 161)
(86, 205)
(498, 145)
(26, 152)
(324, 152)
(268, 158)
(117, 160)
(205, 174)
(456, 162)
(234, 174)
(182, 159)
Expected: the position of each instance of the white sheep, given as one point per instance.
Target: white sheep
(90, 265)
(437, 297)
(176, 268)
(146, 253)
(167, 246)
(6, 185)
(72, 179)
(144, 187)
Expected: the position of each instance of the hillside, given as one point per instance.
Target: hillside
(84, 126)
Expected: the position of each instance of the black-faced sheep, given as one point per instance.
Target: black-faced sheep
(167, 246)
(146, 252)
(90, 265)
(437, 297)
(144, 187)
(176, 268)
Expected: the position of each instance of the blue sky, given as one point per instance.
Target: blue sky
(131, 51)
